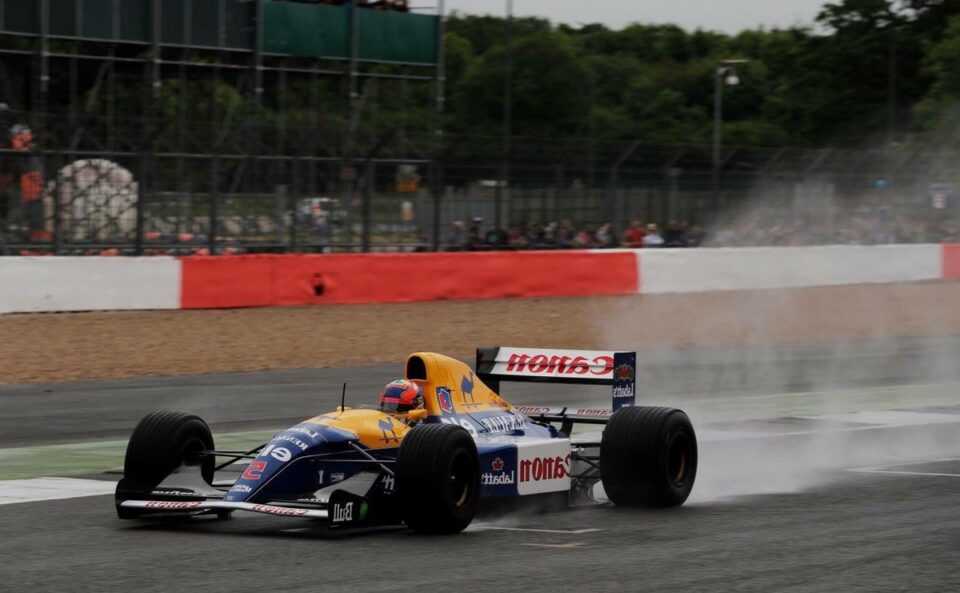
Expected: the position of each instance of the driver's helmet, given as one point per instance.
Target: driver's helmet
(401, 396)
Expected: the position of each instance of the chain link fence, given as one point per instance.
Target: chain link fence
(82, 187)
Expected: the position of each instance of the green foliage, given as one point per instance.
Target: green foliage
(869, 68)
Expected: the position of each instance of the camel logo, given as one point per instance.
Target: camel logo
(386, 425)
(466, 387)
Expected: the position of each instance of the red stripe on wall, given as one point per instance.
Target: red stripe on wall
(252, 281)
(951, 261)
(226, 282)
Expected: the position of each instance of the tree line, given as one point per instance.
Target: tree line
(866, 72)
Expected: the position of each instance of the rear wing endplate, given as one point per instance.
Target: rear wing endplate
(545, 365)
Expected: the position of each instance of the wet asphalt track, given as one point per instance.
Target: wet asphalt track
(855, 531)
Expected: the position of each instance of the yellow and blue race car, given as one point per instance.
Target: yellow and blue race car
(429, 468)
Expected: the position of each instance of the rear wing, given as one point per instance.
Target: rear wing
(590, 367)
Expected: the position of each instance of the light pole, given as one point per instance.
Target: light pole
(725, 74)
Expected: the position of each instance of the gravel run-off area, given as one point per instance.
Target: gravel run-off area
(77, 346)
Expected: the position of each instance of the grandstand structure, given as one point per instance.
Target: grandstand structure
(202, 124)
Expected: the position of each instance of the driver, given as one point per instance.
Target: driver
(401, 396)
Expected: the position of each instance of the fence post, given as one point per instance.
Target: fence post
(141, 194)
(367, 199)
(292, 198)
(214, 198)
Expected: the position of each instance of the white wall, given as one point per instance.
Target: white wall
(742, 268)
(33, 284)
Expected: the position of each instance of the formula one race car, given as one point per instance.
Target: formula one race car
(432, 467)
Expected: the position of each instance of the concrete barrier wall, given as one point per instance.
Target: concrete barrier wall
(951, 262)
(250, 281)
(36, 284)
(737, 268)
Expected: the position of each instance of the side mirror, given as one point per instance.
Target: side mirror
(416, 415)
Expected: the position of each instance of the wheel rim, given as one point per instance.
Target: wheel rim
(678, 459)
(461, 486)
(189, 453)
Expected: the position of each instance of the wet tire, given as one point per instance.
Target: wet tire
(648, 457)
(161, 442)
(438, 479)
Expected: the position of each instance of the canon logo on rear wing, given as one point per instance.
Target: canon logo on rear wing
(617, 369)
(601, 366)
(579, 365)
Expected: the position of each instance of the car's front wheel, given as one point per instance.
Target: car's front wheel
(438, 478)
(160, 443)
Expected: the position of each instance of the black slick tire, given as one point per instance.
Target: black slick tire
(438, 479)
(160, 443)
(648, 457)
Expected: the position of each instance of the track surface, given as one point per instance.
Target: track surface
(891, 527)
(70, 412)
(867, 533)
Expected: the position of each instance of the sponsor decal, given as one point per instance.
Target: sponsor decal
(506, 423)
(445, 400)
(624, 372)
(386, 426)
(592, 412)
(254, 470)
(466, 424)
(346, 512)
(387, 483)
(320, 480)
(313, 434)
(283, 512)
(279, 453)
(543, 467)
(174, 492)
(466, 388)
(241, 488)
(334, 477)
(532, 410)
(526, 363)
(342, 513)
(171, 505)
(291, 439)
(543, 410)
(624, 386)
(500, 479)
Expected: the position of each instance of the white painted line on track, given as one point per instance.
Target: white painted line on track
(891, 418)
(483, 527)
(39, 489)
(568, 546)
(885, 469)
(904, 473)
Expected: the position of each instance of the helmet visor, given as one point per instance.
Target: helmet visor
(392, 405)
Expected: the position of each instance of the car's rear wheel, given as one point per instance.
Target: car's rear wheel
(438, 479)
(648, 457)
(161, 442)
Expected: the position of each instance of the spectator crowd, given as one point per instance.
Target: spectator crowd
(565, 235)
(866, 226)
